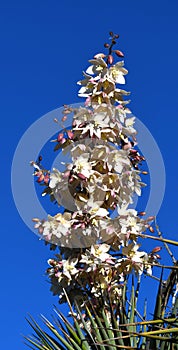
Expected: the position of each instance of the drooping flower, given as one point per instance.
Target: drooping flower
(117, 72)
(134, 259)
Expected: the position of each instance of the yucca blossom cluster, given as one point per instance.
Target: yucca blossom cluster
(95, 230)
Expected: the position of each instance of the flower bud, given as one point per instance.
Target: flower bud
(106, 45)
(66, 174)
(151, 218)
(142, 213)
(133, 151)
(144, 172)
(100, 55)
(110, 59)
(67, 111)
(157, 256)
(40, 230)
(46, 178)
(52, 262)
(71, 179)
(156, 249)
(60, 136)
(64, 118)
(127, 146)
(81, 176)
(119, 53)
(111, 33)
(41, 177)
(70, 135)
(151, 229)
(63, 140)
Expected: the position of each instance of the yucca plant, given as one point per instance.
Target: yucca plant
(98, 268)
(104, 331)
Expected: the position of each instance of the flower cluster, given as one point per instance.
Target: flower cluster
(96, 271)
(95, 230)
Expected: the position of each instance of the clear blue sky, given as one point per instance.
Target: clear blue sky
(45, 46)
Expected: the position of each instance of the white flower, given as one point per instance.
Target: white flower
(69, 268)
(132, 252)
(59, 185)
(95, 211)
(82, 165)
(135, 259)
(86, 80)
(117, 73)
(55, 178)
(97, 66)
(129, 121)
(100, 251)
(118, 159)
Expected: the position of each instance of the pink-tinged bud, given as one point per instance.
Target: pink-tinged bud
(142, 213)
(100, 55)
(46, 179)
(137, 158)
(41, 178)
(144, 172)
(60, 136)
(157, 256)
(151, 229)
(127, 146)
(66, 174)
(156, 249)
(64, 118)
(83, 225)
(110, 59)
(67, 111)
(81, 176)
(63, 140)
(40, 230)
(110, 261)
(133, 151)
(71, 179)
(70, 134)
(74, 123)
(119, 53)
(38, 173)
(35, 220)
(87, 101)
(151, 218)
(75, 226)
(52, 262)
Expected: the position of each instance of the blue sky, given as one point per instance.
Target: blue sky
(45, 46)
